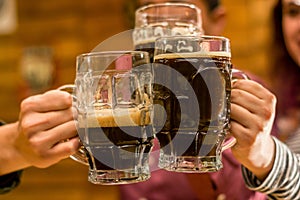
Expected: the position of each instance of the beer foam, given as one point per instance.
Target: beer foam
(193, 55)
(148, 41)
(117, 118)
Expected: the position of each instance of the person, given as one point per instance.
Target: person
(286, 63)
(257, 154)
(44, 134)
(262, 156)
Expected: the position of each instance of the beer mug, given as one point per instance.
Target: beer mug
(192, 90)
(164, 19)
(113, 97)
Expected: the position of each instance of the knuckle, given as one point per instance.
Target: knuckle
(46, 121)
(235, 94)
(64, 97)
(28, 103)
(26, 125)
(259, 126)
(271, 98)
(267, 112)
(72, 114)
(248, 138)
(70, 149)
(36, 144)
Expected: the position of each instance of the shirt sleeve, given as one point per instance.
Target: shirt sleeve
(283, 182)
(9, 181)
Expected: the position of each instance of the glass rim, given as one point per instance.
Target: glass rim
(217, 37)
(111, 53)
(224, 41)
(113, 71)
(153, 5)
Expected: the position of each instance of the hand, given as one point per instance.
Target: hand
(252, 117)
(46, 129)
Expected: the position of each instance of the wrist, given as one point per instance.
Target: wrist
(10, 152)
(259, 159)
(264, 159)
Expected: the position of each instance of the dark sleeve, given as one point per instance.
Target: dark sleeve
(9, 181)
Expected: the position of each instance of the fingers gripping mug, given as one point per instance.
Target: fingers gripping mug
(113, 98)
(192, 77)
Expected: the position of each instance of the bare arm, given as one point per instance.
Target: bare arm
(44, 134)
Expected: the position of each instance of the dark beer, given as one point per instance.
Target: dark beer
(117, 142)
(148, 47)
(194, 89)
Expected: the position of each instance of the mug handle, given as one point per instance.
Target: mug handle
(236, 74)
(81, 155)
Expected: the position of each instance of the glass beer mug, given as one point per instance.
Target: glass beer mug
(193, 86)
(113, 98)
(164, 19)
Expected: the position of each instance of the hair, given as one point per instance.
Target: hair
(284, 70)
(212, 4)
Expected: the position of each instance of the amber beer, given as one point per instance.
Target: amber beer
(191, 116)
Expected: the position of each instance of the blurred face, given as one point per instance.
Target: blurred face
(291, 28)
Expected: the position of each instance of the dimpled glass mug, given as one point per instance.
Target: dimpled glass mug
(164, 19)
(113, 98)
(192, 77)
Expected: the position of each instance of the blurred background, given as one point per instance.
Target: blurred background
(39, 41)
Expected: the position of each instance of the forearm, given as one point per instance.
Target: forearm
(259, 159)
(283, 181)
(10, 158)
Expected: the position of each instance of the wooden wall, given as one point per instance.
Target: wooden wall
(64, 181)
(249, 29)
(72, 27)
